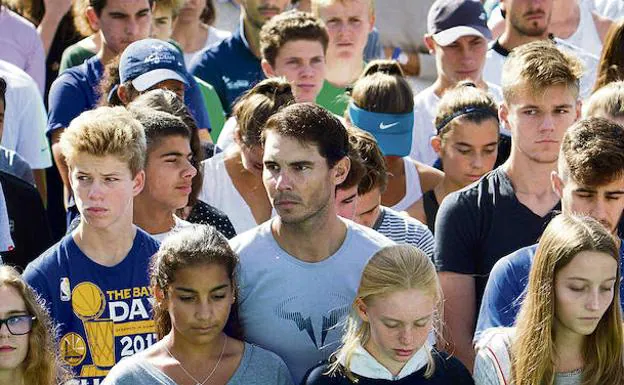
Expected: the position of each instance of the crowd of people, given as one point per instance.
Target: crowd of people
(311, 192)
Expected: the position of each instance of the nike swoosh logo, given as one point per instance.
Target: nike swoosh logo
(383, 126)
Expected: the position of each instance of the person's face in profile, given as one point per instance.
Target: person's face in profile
(400, 323)
(169, 172)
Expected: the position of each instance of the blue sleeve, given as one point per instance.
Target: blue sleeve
(195, 103)
(39, 282)
(501, 298)
(204, 66)
(65, 102)
(373, 49)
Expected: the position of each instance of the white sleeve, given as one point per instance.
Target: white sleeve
(492, 362)
(26, 121)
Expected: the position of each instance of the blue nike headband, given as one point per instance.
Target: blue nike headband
(393, 132)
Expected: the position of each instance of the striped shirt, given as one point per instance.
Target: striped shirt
(404, 230)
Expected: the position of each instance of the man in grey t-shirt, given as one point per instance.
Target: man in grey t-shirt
(300, 271)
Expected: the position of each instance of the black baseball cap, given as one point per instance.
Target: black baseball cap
(448, 20)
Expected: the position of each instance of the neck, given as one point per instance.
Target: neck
(314, 240)
(445, 188)
(151, 217)
(193, 354)
(105, 54)
(107, 246)
(252, 34)
(511, 39)
(185, 32)
(529, 177)
(442, 84)
(11, 376)
(342, 73)
(568, 348)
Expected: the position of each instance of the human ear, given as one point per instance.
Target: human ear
(268, 70)
(92, 18)
(342, 168)
(139, 183)
(436, 144)
(557, 184)
(361, 309)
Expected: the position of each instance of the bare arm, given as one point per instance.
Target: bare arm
(54, 12)
(59, 160)
(459, 314)
(40, 180)
(602, 25)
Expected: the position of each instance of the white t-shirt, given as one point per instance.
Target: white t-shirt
(6, 243)
(24, 118)
(21, 45)
(586, 35)
(218, 190)
(425, 110)
(496, 56)
(179, 224)
(613, 9)
(214, 36)
(226, 137)
(295, 308)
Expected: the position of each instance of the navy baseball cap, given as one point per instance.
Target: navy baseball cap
(448, 20)
(148, 62)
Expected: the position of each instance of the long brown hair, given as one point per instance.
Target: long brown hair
(42, 365)
(610, 67)
(533, 353)
(191, 246)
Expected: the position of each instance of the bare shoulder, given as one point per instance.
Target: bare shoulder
(417, 211)
(602, 25)
(429, 176)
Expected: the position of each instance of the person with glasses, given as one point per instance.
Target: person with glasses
(25, 325)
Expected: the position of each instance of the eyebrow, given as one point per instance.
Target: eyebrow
(349, 197)
(175, 153)
(416, 320)
(189, 290)
(587, 280)
(470, 145)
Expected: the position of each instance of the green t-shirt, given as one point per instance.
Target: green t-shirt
(334, 99)
(74, 55)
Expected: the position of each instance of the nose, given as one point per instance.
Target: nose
(95, 191)
(204, 310)
(593, 300)
(307, 71)
(548, 123)
(477, 161)
(599, 210)
(190, 171)
(132, 27)
(4, 330)
(406, 336)
(283, 182)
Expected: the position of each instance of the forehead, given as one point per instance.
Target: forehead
(590, 265)
(555, 95)
(334, 8)
(301, 48)
(474, 134)
(405, 305)
(84, 162)
(288, 149)
(202, 276)
(11, 299)
(616, 185)
(125, 5)
(171, 143)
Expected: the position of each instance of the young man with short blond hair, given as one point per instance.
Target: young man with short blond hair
(95, 281)
(510, 206)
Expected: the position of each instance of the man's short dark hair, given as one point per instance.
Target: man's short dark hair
(290, 26)
(592, 152)
(159, 125)
(3, 87)
(312, 124)
(99, 5)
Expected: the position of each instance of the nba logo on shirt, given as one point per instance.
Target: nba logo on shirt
(65, 290)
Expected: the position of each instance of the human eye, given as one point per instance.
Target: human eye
(355, 20)
(186, 298)
(562, 111)
(218, 296)
(606, 288)
(422, 323)
(333, 22)
(577, 289)
(530, 112)
(463, 150)
(111, 179)
(271, 166)
(301, 167)
(391, 325)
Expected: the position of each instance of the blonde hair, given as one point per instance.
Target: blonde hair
(608, 101)
(316, 5)
(464, 95)
(538, 65)
(42, 365)
(391, 269)
(533, 353)
(106, 131)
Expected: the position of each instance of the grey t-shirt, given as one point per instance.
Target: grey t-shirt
(257, 367)
(12, 163)
(295, 308)
(493, 363)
